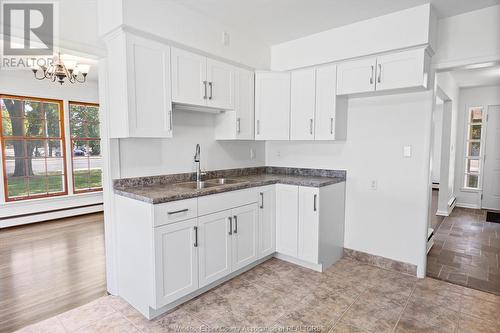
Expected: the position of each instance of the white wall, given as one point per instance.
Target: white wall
(472, 37)
(397, 30)
(141, 157)
(177, 23)
(22, 83)
(437, 121)
(479, 96)
(392, 220)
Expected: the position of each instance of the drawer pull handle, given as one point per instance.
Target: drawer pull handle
(195, 236)
(230, 225)
(261, 200)
(315, 197)
(235, 224)
(178, 211)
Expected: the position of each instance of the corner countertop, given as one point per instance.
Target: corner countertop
(161, 189)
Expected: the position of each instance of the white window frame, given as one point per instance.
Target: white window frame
(466, 157)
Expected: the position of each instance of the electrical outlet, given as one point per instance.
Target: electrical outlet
(373, 185)
(225, 38)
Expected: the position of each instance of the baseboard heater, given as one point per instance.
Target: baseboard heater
(20, 219)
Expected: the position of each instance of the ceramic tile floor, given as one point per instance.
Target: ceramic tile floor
(278, 296)
(466, 251)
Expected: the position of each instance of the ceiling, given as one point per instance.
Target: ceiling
(489, 76)
(276, 21)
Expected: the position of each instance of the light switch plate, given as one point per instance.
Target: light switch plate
(407, 151)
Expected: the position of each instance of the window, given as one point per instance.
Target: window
(32, 139)
(85, 146)
(473, 146)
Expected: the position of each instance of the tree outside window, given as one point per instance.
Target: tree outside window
(473, 146)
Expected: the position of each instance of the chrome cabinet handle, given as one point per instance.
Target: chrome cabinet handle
(171, 120)
(331, 125)
(379, 78)
(371, 77)
(261, 200)
(238, 125)
(195, 237)
(210, 84)
(205, 84)
(311, 126)
(178, 211)
(235, 224)
(258, 127)
(230, 225)
(315, 197)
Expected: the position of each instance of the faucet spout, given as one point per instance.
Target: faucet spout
(197, 160)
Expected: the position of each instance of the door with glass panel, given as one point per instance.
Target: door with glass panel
(491, 170)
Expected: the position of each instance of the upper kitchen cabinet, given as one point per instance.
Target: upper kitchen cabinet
(400, 70)
(238, 125)
(138, 90)
(272, 106)
(302, 104)
(200, 81)
(331, 110)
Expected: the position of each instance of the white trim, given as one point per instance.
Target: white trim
(471, 190)
(15, 221)
(467, 205)
(293, 260)
(442, 213)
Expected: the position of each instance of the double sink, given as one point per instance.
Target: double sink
(208, 183)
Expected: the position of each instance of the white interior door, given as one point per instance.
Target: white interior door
(491, 170)
(214, 244)
(302, 105)
(244, 236)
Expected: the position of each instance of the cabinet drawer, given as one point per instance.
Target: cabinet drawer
(175, 211)
(228, 200)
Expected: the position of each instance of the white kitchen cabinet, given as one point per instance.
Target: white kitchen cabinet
(220, 80)
(308, 224)
(267, 221)
(244, 236)
(214, 244)
(272, 106)
(331, 110)
(238, 124)
(287, 219)
(405, 69)
(201, 81)
(189, 77)
(138, 87)
(302, 104)
(356, 76)
(176, 261)
(397, 70)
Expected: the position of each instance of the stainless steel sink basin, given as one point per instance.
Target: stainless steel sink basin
(197, 185)
(222, 181)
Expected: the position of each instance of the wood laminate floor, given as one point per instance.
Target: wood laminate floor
(50, 267)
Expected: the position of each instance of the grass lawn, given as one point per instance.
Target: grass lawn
(52, 183)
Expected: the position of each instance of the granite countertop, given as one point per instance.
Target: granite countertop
(160, 189)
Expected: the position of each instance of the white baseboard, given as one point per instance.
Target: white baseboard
(314, 267)
(467, 205)
(40, 217)
(442, 213)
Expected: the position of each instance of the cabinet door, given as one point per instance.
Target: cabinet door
(214, 244)
(303, 91)
(272, 106)
(245, 245)
(401, 70)
(150, 108)
(356, 76)
(189, 78)
(220, 78)
(267, 221)
(308, 247)
(176, 261)
(326, 97)
(245, 105)
(287, 197)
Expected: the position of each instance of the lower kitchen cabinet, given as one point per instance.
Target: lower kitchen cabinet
(176, 261)
(244, 236)
(267, 220)
(308, 224)
(287, 219)
(214, 237)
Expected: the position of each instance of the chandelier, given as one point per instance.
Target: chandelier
(60, 70)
